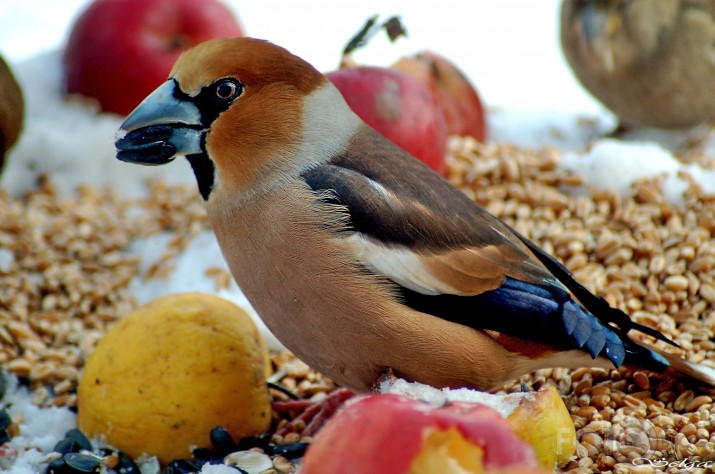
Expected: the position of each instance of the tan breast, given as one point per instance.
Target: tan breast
(300, 279)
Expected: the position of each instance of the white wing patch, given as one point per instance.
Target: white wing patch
(399, 264)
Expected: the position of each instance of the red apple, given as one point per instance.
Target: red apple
(396, 434)
(459, 100)
(119, 51)
(399, 107)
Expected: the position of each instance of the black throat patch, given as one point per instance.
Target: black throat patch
(204, 171)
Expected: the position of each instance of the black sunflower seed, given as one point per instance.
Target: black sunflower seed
(81, 440)
(290, 451)
(5, 420)
(83, 462)
(57, 466)
(65, 446)
(222, 441)
(126, 465)
(258, 441)
(3, 384)
(203, 454)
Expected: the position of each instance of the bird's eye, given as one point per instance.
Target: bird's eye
(228, 89)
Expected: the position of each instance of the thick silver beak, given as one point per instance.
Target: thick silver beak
(162, 127)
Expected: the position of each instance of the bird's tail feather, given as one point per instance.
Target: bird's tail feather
(643, 356)
(596, 305)
(699, 372)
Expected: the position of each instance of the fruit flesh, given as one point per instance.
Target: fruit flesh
(448, 451)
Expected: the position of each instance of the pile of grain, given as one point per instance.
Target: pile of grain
(644, 256)
(64, 271)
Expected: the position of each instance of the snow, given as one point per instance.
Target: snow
(505, 404)
(217, 469)
(189, 274)
(635, 161)
(509, 49)
(69, 140)
(40, 429)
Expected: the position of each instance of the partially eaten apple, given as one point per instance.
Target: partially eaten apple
(542, 420)
(400, 435)
(539, 418)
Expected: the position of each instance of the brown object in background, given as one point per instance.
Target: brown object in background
(11, 110)
(648, 61)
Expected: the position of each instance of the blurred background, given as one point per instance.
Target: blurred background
(508, 48)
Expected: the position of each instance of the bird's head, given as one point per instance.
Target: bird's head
(615, 35)
(246, 113)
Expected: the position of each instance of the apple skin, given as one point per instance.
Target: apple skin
(386, 432)
(460, 102)
(399, 107)
(119, 51)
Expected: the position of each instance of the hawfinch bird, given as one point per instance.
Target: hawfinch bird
(649, 61)
(357, 256)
